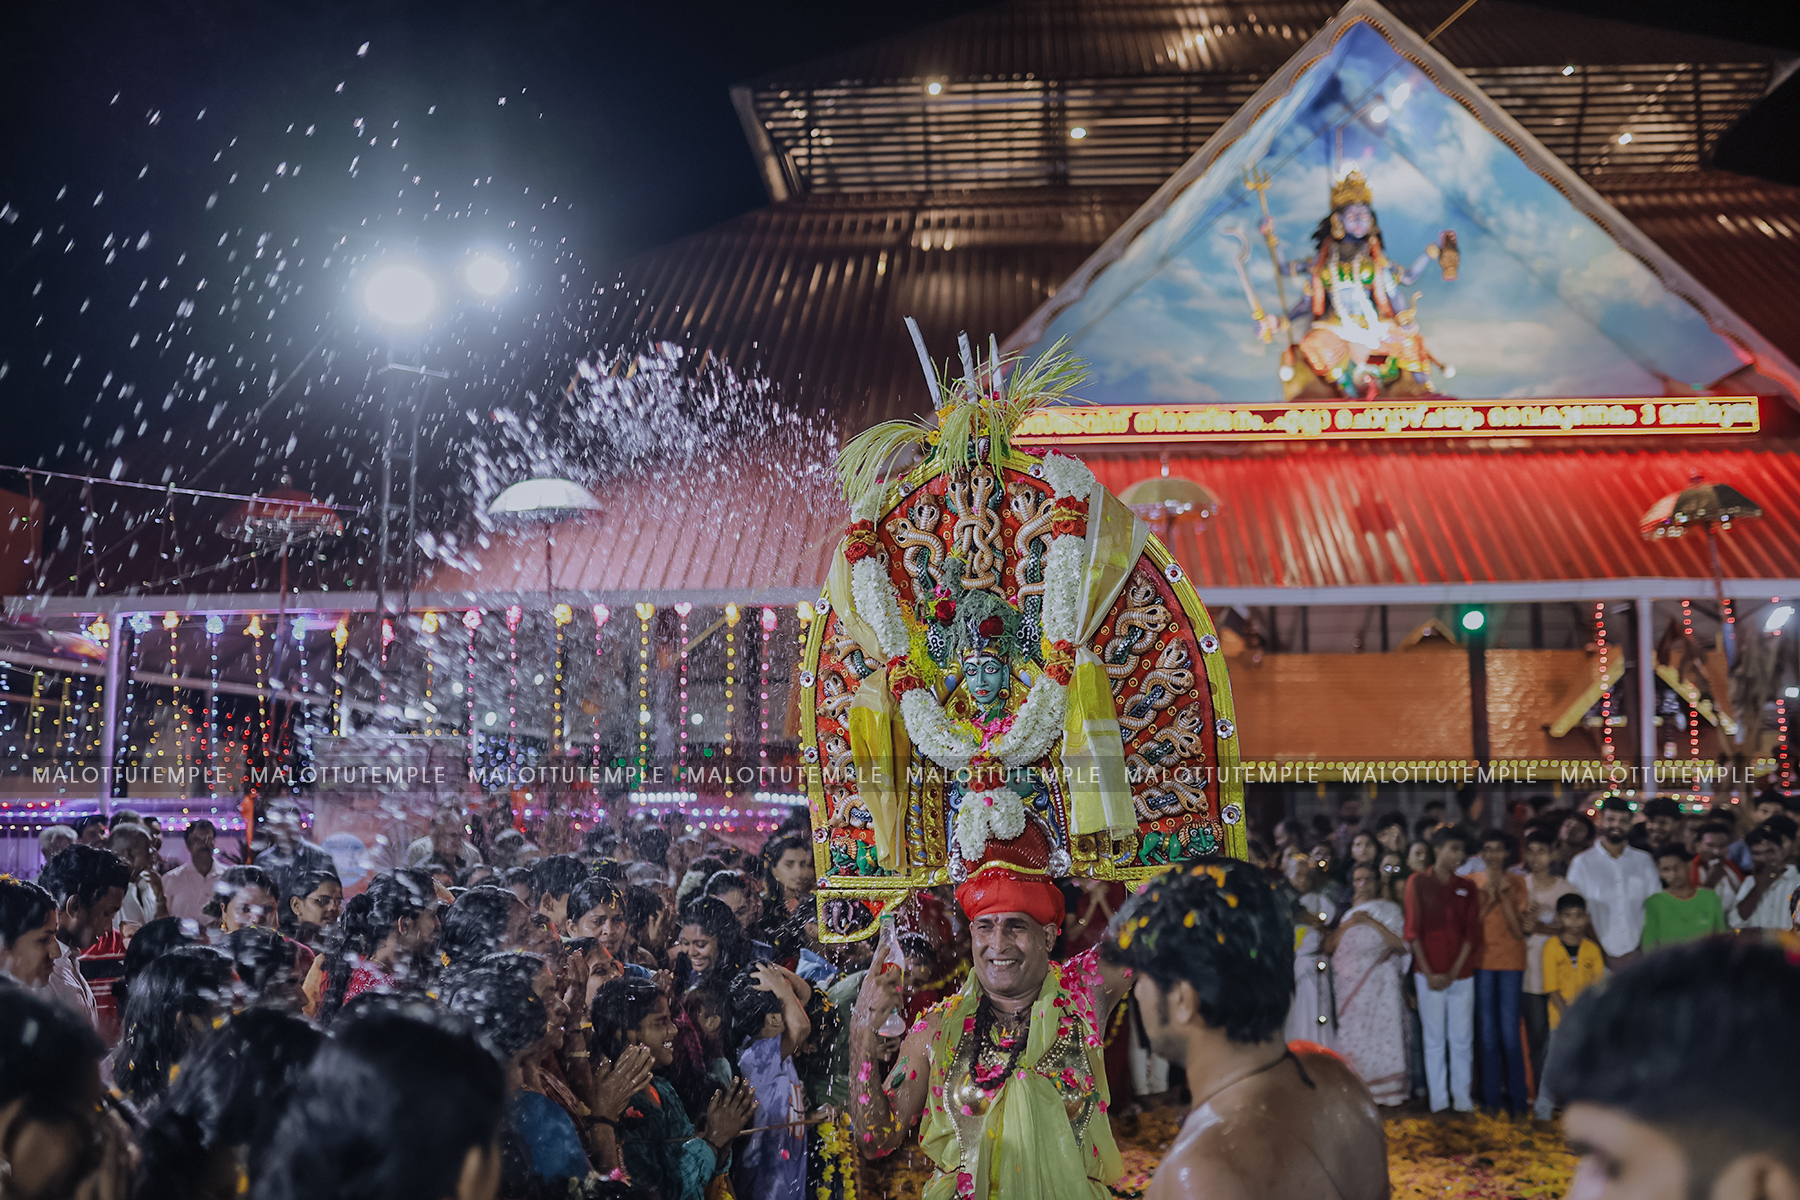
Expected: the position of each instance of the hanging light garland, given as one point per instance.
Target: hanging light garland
(171, 624)
(770, 621)
(561, 615)
(255, 630)
(601, 613)
(340, 637)
(514, 615)
(1784, 764)
(471, 622)
(645, 611)
(681, 746)
(1693, 711)
(1606, 737)
(305, 715)
(428, 627)
(140, 625)
(215, 625)
(732, 616)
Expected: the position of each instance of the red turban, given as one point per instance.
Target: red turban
(997, 890)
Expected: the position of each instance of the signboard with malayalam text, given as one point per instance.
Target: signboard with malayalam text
(1432, 417)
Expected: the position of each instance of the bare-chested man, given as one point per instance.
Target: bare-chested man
(1212, 946)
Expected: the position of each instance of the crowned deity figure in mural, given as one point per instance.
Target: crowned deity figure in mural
(1364, 339)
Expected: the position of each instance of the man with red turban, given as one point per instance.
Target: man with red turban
(1007, 1074)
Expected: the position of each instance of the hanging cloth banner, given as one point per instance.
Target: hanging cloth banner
(1093, 750)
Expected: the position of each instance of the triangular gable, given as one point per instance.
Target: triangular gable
(1557, 295)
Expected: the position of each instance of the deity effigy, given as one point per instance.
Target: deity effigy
(1364, 338)
(1010, 682)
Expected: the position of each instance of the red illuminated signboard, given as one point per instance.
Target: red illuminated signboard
(1435, 418)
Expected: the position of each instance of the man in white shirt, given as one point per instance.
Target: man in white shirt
(446, 843)
(88, 884)
(190, 887)
(144, 896)
(1616, 879)
(1761, 900)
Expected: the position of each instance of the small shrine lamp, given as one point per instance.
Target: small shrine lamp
(543, 501)
(1711, 507)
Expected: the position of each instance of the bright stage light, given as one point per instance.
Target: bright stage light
(486, 274)
(1473, 620)
(400, 294)
(1379, 114)
(1778, 619)
(1077, 133)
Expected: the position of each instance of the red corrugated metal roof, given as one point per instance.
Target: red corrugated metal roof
(752, 528)
(1316, 517)
(1371, 515)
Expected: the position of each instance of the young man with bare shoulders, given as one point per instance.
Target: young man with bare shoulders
(1211, 946)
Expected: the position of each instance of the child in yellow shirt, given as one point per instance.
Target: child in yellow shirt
(1572, 964)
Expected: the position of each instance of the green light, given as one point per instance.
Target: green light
(1473, 620)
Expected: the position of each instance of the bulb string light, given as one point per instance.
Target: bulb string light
(645, 611)
(172, 623)
(560, 615)
(472, 623)
(1784, 766)
(770, 620)
(681, 745)
(514, 615)
(340, 637)
(255, 630)
(214, 627)
(732, 616)
(1606, 737)
(601, 613)
(428, 627)
(1693, 711)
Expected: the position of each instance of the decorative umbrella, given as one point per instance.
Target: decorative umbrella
(1162, 500)
(1711, 507)
(543, 501)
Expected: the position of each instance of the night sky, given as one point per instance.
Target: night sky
(189, 189)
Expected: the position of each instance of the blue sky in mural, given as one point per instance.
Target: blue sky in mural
(1545, 303)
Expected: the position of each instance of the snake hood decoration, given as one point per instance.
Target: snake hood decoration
(1008, 677)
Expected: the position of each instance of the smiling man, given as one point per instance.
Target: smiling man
(1008, 1073)
(1678, 1077)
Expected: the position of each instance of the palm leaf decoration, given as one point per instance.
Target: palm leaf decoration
(1006, 398)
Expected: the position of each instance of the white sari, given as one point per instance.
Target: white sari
(1309, 1020)
(1371, 1014)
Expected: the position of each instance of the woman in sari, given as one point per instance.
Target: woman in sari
(1369, 960)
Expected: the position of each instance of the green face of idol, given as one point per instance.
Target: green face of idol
(986, 674)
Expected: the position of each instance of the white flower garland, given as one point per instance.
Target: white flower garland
(878, 603)
(999, 815)
(1064, 569)
(1039, 721)
(1068, 476)
(1035, 728)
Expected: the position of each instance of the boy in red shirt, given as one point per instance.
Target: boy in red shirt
(1443, 928)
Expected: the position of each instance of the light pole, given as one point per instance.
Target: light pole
(403, 295)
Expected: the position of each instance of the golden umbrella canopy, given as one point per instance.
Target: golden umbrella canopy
(1164, 499)
(1709, 507)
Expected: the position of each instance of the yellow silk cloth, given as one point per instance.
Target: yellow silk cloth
(1093, 751)
(1028, 1148)
(878, 741)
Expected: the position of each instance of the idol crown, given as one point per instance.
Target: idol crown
(1351, 189)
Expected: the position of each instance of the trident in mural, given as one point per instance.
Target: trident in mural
(1360, 343)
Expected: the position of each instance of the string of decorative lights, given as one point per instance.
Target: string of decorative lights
(681, 746)
(472, 623)
(140, 625)
(1783, 760)
(1606, 738)
(645, 611)
(255, 630)
(428, 627)
(560, 615)
(514, 615)
(171, 624)
(305, 715)
(601, 613)
(769, 623)
(1693, 711)
(732, 615)
(215, 625)
(340, 637)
